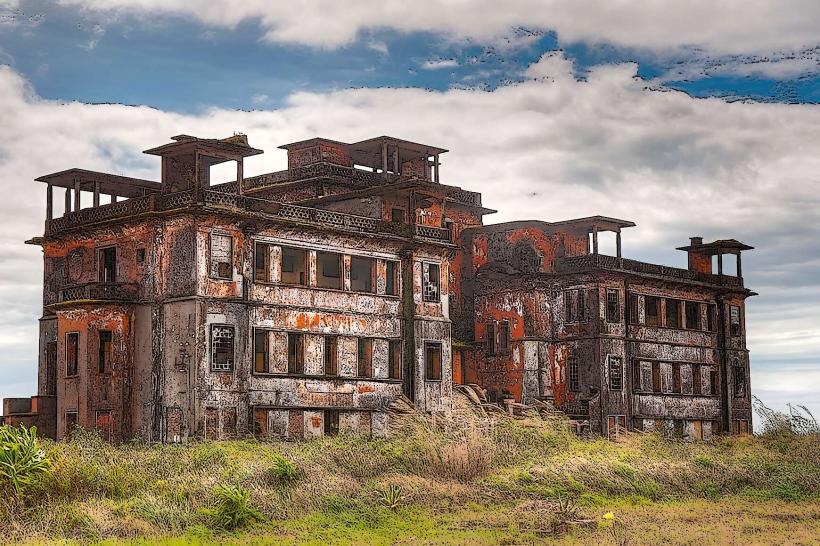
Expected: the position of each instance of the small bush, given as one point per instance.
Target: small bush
(234, 508)
(283, 471)
(22, 459)
(391, 496)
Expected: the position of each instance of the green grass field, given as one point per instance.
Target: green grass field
(466, 481)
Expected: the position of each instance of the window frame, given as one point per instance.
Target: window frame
(394, 359)
(104, 358)
(266, 248)
(735, 328)
(102, 268)
(615, 364)
(613, 306)
(428, 369)
(266, 359)
(677, 314)
(573, 373)
(364, 358)
(296, 366)
(320, 270)
(370, 277)
(656, 301)
(305, 264)
(330, 355)
(213, 366)
(504, 336)
(686, 319)
(76, 363)
(395, 278)
(213, 272)
(425, 281)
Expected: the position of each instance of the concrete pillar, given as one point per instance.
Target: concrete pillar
(67, 208)
(739, 268)
(240, 178)
(384, 159)
(96, 194)
(396, 160)
(49, 202)
(436, 164)
(595, 239)
(76, 196)
(720, 263)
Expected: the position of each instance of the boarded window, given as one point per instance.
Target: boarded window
(296, 353)
(676, 379)
(431, 282)
(633, 309)
(432, 361)
(261, 266)
(331, 422)
(72, 348)
(739, 373)
(672, 313)
(221, 256)
(697, 385)
(573, 374)
(391, 287)
(652, 310)
(394, 360)
(294, 266)
(364, 351)
(260, 351)
(222, 347)
(613, 306)
(108, 264)
(734, 320)
(330, 355)
(489, 335)
(104, 351)
(656, 377)
(329, 270)
(361, 274)
(616, 373)
(713, 381)
(692, 315)
(504, 336)
(260, 422)
(740, 426)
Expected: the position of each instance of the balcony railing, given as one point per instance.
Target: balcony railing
(601, 261)
(99, 291)
(435, 233)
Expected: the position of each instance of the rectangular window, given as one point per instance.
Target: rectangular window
(710, 318)
(672, 313)
(734, 320)
(222, 346)
(394, 359)
(365, 358)
(504, 336)
(713, 382)
(697, 385)
(613, 305)
(72, 356)
(489, 337)
(656, 377)
(397, 215)
(329, 270)
(260, 351)
(431, 282)
(294, 266)
(391, 287)
(70, 422)
(569, 306)
(616, 425)
(637, 383)
(432, 361)
(573, 374)
(581, 309)
(331, 355)
(261, 262)
(108, 264)
(296, 353)
(616, 373)
(104, 351)
(221, 265)
(652, 311)
(140, 255)
(361, 274)
(676, 379)
(692, 315)
(739, 373)
(331, 422)
(633, 308)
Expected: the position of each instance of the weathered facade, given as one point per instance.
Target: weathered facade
(303, 302)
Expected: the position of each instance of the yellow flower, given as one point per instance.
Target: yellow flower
(609, 516)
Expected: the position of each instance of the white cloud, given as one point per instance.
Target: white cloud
(438, 64)
(731, 26)
(378, 45)
(260, 98)
(549, 148)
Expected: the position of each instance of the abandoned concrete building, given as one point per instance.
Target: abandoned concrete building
(304, 302)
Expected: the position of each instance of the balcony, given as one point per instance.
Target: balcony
(99, 291)
(572, 264)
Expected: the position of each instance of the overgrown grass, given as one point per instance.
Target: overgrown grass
(96, 491)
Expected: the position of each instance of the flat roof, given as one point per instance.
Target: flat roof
(719, 245)
(123, 186)
(236, 145)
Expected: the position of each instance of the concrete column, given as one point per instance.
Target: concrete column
(384, 159)
(396, 160)
(739, 268)
(76, 196)
(720, 263)
(595, 239)
(96, 194)
(436, 165)
(240, 178)
(67, 201)
(49, 202)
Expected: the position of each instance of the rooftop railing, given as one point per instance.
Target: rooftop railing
(99, 291)
(602, 261)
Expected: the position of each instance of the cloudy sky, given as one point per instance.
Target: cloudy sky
(687, 118)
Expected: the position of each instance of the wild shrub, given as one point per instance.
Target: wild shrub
(391, 496)
(233, 508)
(283, 471)
(22, 459)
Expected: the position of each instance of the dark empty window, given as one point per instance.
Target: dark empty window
(652, 312)
(140, 255)
(697, 385)
(573, 374)
(613, 306)
(394, 359)
(221, 256)
(397, 214)
(294, 266)
(739, 373)
(431, 282)
(632, 309)
(331, 422)
(569, 306)
(656, 377)
(692, 315)
(70, 422)
(676, 379)
(105, 351)
(72, 357)
(108, 264)
(261, 266)
(329, 270)
(672, 313)
(391, 287)
(616, 373)
(432, 361)
(361, 274)
(222, 344)
(490, 337)
(710, 318)
(504, 336)
(713, 381)
(296, 353)
(330, 355)
(365, 358)
(260, 351)
(734, 320)
(581, 310)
